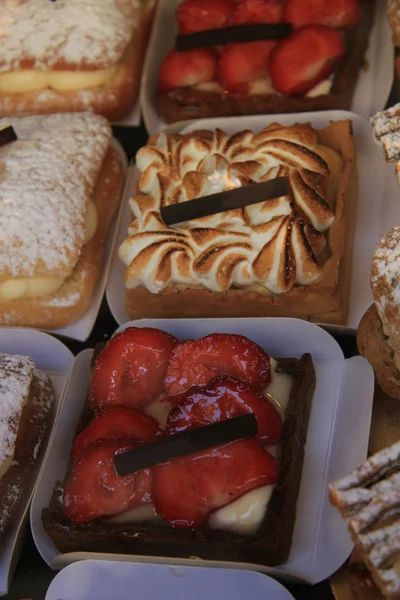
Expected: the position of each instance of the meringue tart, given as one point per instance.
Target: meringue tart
(287, 257)
(89, 57)
(60, 186)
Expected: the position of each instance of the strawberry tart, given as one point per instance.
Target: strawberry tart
(234, 501)
(313, 65)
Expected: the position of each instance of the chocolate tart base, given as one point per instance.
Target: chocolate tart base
(270, 546)
(188, 103)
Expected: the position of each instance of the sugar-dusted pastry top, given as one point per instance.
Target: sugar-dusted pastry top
(16, 374)
(39, 34)
(47, 178)
(274, 244)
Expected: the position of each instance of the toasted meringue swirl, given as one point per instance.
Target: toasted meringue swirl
(275, 243)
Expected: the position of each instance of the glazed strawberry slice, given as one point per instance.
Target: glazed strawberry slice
(94, 489)
(196, 362)
(225, 398)
(184, 69)
(304, 59)
(186, 490)
(239, 64)
(130, 370)
(257, 11)
(331, 13)
(201, 15)
(114, 424)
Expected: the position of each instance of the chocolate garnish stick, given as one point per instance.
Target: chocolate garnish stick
(185, 443)
(7, 135)
(234, 34)
(227, 200)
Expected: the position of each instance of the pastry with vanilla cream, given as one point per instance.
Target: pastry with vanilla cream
(60, 186)
(285, 257)
(26, 402)
(72, 55)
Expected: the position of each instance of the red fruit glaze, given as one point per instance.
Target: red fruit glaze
(331, 13)
(114, 424)
(257, 11)
(196, 362)
(225, 398)
(186, 490)
(130, 370)
(304, 59)
(94, 489)
(239, 64)
(184, 69)
(200, 15)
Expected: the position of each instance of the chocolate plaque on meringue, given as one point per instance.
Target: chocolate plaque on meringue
(7, 135)
(227, 35)
(224, 201)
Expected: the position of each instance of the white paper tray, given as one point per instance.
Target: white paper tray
(334, 446)
(377, 210)
(51, 356)
(81, 329)
(104, 580)
(373, 84)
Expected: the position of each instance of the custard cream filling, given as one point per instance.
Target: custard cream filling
(19, 82)
(38, 287)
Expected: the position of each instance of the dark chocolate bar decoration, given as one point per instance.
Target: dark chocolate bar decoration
(236, 33)
(227, 200)
(188, 442)
(7, 135)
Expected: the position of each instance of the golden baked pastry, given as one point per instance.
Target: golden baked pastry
(393, 13)
(72, 55)
(60, 186)
(287, 257)
(26, 402)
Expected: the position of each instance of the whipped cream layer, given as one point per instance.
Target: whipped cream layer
(245, 515)
(274, 244)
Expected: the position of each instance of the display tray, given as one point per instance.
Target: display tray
(334, 446)
(51, 356)
(103, 580)
(373, 84)
(377, 205)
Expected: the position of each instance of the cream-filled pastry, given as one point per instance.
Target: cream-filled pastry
(71, 55)
(54, 182)
(268, 249)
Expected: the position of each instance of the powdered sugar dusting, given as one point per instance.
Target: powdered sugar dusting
(385, 270)
(15, 380)
(78, 32)
(46, 178)
(10, 498)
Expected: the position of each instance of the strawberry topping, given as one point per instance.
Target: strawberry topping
(304, 59)
(114, 424)
(196, 362)
(239, 64)
(201, 15)
(186, 490)
(257, 11)
(332, 13)
(225, 398)
(183, 69)
(95, 490)
(130, 370)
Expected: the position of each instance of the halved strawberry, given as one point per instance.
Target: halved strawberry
(114, 424)
(186, 490)
(183, 69)
(304, 59)
(130, 370)
(257, 11)
(196, 362)
(200, 15)
(94, 489)
(239, 64)
(225, 398)
(332, 13)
